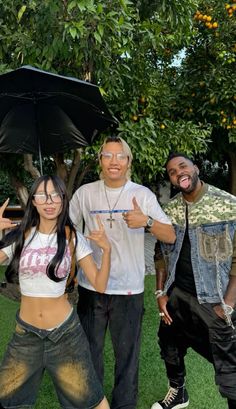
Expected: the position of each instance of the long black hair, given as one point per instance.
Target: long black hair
(31, 219)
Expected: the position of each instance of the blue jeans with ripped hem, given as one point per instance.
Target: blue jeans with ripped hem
(63, 352)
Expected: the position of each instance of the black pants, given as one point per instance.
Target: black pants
(123, 315)
(196, 325)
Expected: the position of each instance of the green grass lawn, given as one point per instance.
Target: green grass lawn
(153, 383)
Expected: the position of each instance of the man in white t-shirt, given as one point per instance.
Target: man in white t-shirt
(125, 209)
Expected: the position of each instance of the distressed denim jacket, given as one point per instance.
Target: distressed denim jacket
(212, 225)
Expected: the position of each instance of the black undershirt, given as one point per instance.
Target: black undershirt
(184, 278)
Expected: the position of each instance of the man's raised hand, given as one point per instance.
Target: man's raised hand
(135, 218)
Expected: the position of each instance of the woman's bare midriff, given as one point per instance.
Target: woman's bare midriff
(44, 313)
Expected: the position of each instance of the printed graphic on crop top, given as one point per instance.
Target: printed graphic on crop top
(37, 254)
(35, 257)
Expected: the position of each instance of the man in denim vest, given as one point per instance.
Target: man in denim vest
(196, 283)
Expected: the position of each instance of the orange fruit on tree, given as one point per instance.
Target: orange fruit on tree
(214, 25)
(142, 99)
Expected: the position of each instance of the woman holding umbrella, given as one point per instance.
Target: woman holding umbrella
(48, 335)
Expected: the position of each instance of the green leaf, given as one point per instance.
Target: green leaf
(103, 92)
(72, 5)
(81, 5)
(97, 37)
(73, 32)
(21, 12)
(99, 8)
(121, 20)
(100, 29)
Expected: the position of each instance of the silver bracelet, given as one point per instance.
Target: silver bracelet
(228, 309)
(159, 293)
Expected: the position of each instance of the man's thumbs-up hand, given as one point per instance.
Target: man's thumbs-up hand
(135, 204)
(135, 218)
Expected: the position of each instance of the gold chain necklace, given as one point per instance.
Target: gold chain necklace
(111, 209)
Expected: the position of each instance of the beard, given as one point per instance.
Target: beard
(192, 185)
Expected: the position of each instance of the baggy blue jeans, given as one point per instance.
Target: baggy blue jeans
(63, 352)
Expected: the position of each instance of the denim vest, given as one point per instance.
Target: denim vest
(212, 225)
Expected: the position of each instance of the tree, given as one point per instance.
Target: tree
(123, 46)
(206, 81)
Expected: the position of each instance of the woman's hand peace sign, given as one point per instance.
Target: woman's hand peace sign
(4, 222)
(99, 236)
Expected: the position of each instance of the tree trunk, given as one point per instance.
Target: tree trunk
(232, 172)
(29, 167)
(62, 171)
(82, 175)
(21, 190)
(73, 172)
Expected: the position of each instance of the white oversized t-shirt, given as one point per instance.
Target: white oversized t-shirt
(127, 255)
(34, 259)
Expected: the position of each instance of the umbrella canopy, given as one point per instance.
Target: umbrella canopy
(46, 113)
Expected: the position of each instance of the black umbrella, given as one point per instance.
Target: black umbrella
(46, 113)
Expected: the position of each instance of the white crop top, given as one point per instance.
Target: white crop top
(35, 257)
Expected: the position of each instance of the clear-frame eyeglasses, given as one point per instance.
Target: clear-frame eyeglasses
(42, 198)
(120, 156)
